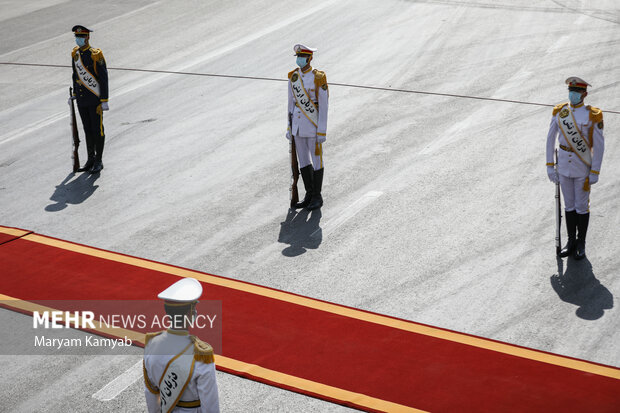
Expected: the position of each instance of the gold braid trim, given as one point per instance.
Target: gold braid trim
(203, 352)
(74, 51)
(149, 336)
(558, 108)
(596, 115)
(147, 382)
(291, 73)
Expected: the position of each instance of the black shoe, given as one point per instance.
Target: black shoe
(580, 250)
(317, 199)
(88, 165)
(97, 167)
(306, 176)
(569, 248)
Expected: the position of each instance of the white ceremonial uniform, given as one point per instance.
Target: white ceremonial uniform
(202, 385)
(572, 170)
(308, 137)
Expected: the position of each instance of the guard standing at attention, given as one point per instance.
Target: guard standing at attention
(90, 88)
(579, 130)
(308, 97)
(179, 368)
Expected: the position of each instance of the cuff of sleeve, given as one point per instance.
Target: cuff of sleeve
(103, 100)
(550, 164)
(594, 172)
(320, 134)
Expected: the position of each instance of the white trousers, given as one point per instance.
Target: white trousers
(309, 152)
(575, 198)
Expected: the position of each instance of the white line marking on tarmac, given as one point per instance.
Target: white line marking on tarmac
(119, 384)
(348, 213)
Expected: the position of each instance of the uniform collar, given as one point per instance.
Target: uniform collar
(306, 71)
(178, 332)
(85, 47)
(576, 106)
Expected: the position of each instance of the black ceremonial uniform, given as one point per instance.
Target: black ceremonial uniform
(92, 65)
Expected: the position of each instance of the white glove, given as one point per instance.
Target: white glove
(71, 99)
(321, 138)
(104, 106)
(593, 178)
(288, 135)
(552, 174)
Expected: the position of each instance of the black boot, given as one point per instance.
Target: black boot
(97, 167)
(571, 230)
(307, 176)
(317, 199)
(88, 165)
(582, 227)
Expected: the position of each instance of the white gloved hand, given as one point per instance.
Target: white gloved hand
(321, 138)
(104, 106)
(288, 135)
(71, 99)
(552, 174)
(593, 178)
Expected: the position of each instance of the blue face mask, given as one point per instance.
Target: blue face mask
(302, 61)
(80, 41)
(574, 97)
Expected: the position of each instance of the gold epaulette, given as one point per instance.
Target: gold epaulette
(558, 108)
(149, 336)
(97, 55)
(74, 51)
(319, 77)
(596, 115)
(203, 352)
(291, 73)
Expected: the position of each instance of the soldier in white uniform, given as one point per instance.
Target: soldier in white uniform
(179, 371)
(579, 130)
(308, 97)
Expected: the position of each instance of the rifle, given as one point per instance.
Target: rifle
(76, 136)
(558, 210)
(294, 168)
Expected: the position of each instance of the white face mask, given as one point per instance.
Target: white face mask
(302, 61)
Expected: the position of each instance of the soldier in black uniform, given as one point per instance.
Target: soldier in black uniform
(90, 88)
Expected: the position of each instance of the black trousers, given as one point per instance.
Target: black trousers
(92, 119)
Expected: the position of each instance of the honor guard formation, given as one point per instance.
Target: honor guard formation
(579, 129)
(308, 97)
(90, 88)
(179, 370)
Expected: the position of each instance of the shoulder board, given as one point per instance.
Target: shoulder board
(558, 108)
(595, 114)
(203, 352)
(320, 78)
(291, 73)
(97, 55)
(74, 51)
(149, 336)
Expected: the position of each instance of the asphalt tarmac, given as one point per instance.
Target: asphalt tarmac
(437, 204)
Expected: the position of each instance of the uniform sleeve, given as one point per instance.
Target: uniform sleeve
(598, 147)
(291, 106)
(102, 73)
(152, 402)
(553, 132)
(323, 108)
(207, 387)
(74, 76)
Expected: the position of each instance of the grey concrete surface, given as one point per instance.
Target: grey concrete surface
(437, 209)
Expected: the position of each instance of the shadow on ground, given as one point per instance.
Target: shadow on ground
(301, 231)
(579, 286)
(73, 191)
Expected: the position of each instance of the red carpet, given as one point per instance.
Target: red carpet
(345, 355)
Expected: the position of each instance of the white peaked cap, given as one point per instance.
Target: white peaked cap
(186, 290)
(300, 48)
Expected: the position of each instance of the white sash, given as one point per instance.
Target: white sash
(303, 100)
(573, 136)
(84, 76)
(175, 378)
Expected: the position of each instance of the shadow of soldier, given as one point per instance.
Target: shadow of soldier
(579, 286)
(301, 231)
(72, 191)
